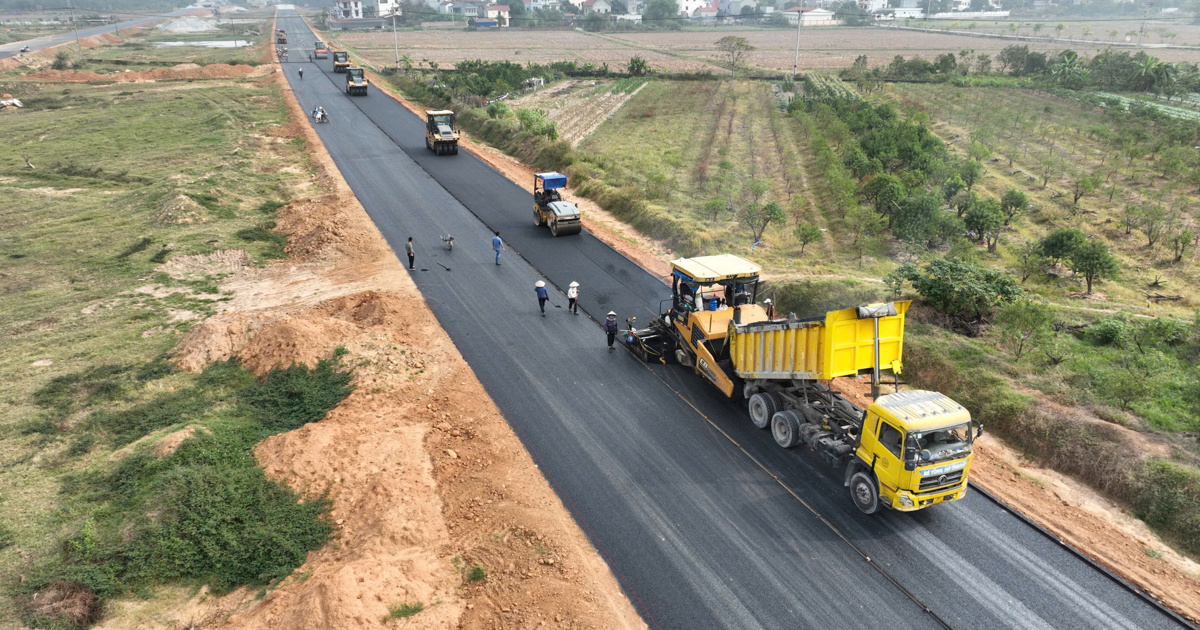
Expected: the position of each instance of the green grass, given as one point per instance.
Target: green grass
(400, 611)
(122, 172)
(476, 574)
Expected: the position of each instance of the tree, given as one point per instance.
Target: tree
(735, 49)
(1060, 245)
(1081, 186)
(595, 22)
(1093, 260)
(966, 292)
(638, 66)
(1058, 29)
(985, 220)
(1030, 260)
(1181, 241)
(1013, 202)
(885, 192)
(807, 233)
(713, 208)
(1021, 322)
(916, 218)
(1037, 27)
(757, 217)
(660, 11)
(970, 172)
(62, 60)
(983, 63)
(1070, 73)
(1153, 222)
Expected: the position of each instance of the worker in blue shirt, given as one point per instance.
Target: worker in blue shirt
(498, 246)
(540, 288)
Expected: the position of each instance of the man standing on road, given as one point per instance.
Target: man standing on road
(301, 71)
(610, 327)
(498, 246)
(770, 308)
(540, 288)
(408, 249)
(573, 298)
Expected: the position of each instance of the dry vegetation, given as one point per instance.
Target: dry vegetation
(578, 107)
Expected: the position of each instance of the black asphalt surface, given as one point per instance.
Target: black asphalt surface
(691, 519)
(14, 48)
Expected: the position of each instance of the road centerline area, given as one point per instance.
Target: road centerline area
(698, 538)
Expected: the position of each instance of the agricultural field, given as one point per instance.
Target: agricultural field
(1173, 32)
(689, 50)
(1044, 145)
(578, 107)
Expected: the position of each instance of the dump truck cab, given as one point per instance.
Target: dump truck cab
(320, 50)
(341, 60)
(280, 37)
(356, 81)
(440, 135)
(917, 446)
(549, 208)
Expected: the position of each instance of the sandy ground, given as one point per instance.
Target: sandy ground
(426, 478)
(1069, 509)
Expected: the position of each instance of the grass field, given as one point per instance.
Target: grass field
(127, 178)
(692, 49)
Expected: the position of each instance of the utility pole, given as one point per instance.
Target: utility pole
(75, 25)
(796, 61)
(395, 41)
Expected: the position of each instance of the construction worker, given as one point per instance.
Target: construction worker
(301, 71)
(540, 288)
(573, 298)
(408, 249)
(770, 308)
(610, 327)
(498, 246)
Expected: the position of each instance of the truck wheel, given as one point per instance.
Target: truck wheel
(554, 228)
(763, 406)
(537, 218)
(864, 492)
(785, 428)
(454, 150)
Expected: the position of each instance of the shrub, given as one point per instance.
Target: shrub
(291, 397)
(406, 609)
(476, 574)
(811, 298)
(966, 292)
(62, 60)
(498, 110)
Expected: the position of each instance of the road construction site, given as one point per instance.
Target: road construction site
(705, 522)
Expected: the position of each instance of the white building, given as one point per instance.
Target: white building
(905, 13)
(871, 6)
(596, 6)
(811, 16)
(351, 9)
(497, 12)
(388, 7)
(688, 7)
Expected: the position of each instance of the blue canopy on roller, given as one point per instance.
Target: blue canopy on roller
(552, 180)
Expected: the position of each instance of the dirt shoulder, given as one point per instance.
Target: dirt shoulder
(437, 504)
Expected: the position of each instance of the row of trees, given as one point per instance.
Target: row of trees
(1109, 70)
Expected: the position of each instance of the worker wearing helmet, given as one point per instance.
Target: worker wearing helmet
(540, 288)
(610, 328)
(770, 308)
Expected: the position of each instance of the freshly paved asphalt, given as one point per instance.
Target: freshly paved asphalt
(14, 48)
(696, 531)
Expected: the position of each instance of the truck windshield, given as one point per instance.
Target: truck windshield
(443, 119)
(947, 443)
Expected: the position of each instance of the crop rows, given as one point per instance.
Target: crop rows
(822, 87)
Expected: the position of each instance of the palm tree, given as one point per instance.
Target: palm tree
(1037, 28)
(1087, 32)
(1070, 73)
(1112, 34)
(1058, 29)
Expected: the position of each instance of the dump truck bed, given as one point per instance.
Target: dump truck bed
(839, 344)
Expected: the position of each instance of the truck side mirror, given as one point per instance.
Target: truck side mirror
(979, 431)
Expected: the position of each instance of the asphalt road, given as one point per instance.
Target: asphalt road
(14, 48)
(704, 520)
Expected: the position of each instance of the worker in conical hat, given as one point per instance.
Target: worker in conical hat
(573, 298)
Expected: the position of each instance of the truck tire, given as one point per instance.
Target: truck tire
(785, 428)
(864, 491)
(537, 218)
(762, 407)
(554, 228)
(454, 150)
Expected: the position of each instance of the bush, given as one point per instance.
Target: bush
(62, 60)
(498, 110)
(966, 292)
(1167, 497)
(292, 397)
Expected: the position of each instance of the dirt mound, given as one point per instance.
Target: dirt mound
(320, 229)
(66, 602)
(261, 340)
(178, 208)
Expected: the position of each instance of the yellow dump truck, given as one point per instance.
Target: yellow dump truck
(906, 451)
(280, 36)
